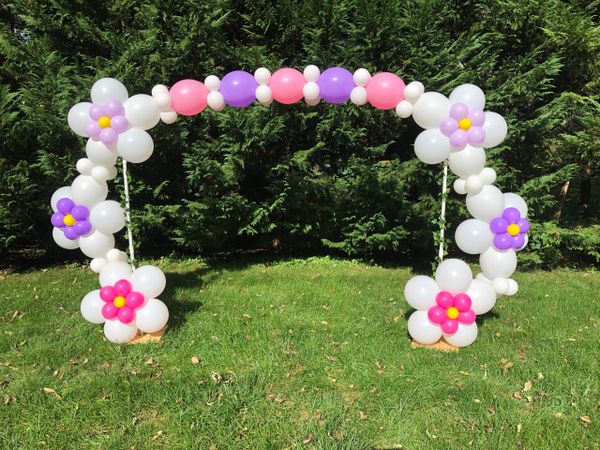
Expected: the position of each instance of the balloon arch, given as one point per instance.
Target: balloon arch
(456, 132)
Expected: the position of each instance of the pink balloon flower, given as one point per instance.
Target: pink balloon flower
(121, 301)
(450, 310)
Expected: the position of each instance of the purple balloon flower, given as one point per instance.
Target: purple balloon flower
(106, 122)
(509, 230)
(464, 126)
(72, 219)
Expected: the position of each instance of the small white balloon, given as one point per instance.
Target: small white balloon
(487, 175)
(135, 145)
(513, 287)
(500, 285)
(498, 263)
(88, 191)
(107, 89)
(361, 77)
(470, 95)
(215, 100)
(404, 109)
(159, 89)
(62, 241)
(460, 186)
(313, 102)
(149, 280)
(118, 332)
(212, 83)
(483, 296)
(464, 336)
(474, 184)
(78, 117)
(97, 244)
(495, 129)
(163, 102)
(453, 275)
(487, 204)
(512, 200)
(97, 264)
(262, 75)
(473, 236)
(422, 330)
(116, 255)
(420, 292)
(413, 91)
(431, 109)
(168, 117)
(91, 307)
(358, 95)
(431, 146)
(62, 192)
(469, 161)
(99, 153)
(101, 173)
(107, 217)
(311, 90)
(142, 112)
(151, 317)
(114, 271)
(311, 73)
(264, 94)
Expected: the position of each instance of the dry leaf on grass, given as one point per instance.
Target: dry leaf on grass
(585, 420)
(149, 361)
(362, 415)
(51, 391)
(506, 364)
(195, 360)
(308, 439)
(527, 387)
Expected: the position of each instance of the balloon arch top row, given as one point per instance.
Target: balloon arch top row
(456, 130)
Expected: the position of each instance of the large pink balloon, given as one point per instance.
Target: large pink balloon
(385, 90)
(286, 85)
(188, 97)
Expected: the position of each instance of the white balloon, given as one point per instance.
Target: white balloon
(483, 296)
(358, 95)
(487, 175)
(262, 75)
(107, 217)
(495, 129)
(513, 287)
(422, 329)
(313, 102)
(101, 173)
(215, 100)
(118, 332)
(264, 94)
(163, 102)
(168, 117)
(413, 91)
(142, 111)
(470, 95)
(404, 109)
(87, 191)
(212, 83)
(149, 280)
(100, 153)
(311, 90)
(361, 77)
(498, 263)
(114, 271)
(116, 255)
(460, 186)
(152, 317)
(453, 275)
(500, 285)
(420, 292)
(311, 73)
(97, 264)
(62, 241)
(469, 161)
(135, 145)
(96, 244)
(431, 146)
(107, 89)
(91, 307)
(464, 336)
(474, 184)
(473, 236)
(62, 192)
(159, 89)
(78, 117)
(431, 109)
(512, 200)
(487, 204)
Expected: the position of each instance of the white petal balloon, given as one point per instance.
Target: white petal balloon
(91, 307)
(62, 241)
(513, 287)
(473, 236)
(135, 145)
(142, 111)
(495, 129)
(470, 95)
(106, 89)
(431, 146)
(100, 153)
(431, 109)
(468, 161)
(453, 275)
(464, 336)
(486, 205)
(88, 191)
(420, 292)
(498, 263)
(512, 200)
(62, 192)
(107, 217)
(483, 296)
(422, 329)
(96, 244)
(97, 264)
(149, 280)
(114, 271)
(152, 317)
(118, 332)
(78, 118)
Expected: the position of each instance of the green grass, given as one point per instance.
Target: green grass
(301, 353)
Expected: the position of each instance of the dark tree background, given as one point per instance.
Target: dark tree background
(329, 177)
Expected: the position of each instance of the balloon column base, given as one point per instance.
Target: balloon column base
(146, 338)
(440, 346)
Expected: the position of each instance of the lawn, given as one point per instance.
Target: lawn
(295, 353)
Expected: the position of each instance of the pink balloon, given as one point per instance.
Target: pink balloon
(108, 293)
(126, 314)
(462, 302)
(123, 287)
(450, 326)
(109, 311)
(437, 314)
(467, 317)
(188, 97)
(134, 299)
(385, 90)
(444, 299)
(286, 85)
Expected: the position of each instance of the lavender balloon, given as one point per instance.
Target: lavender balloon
(335, 85)
(238, 88)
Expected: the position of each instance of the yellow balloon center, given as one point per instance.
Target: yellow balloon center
(464, 124)
(452, 312)
(69, 220)
(104, 122)
(513, 229)
(119, 301)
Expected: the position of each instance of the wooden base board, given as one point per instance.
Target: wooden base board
(145, 338)
(440, 346)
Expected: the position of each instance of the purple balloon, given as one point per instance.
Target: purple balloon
(96, 112)
(70, 233)
(82, 227)
(523, 225)
(65, 205)
(476, 135)
(108, 136)
(459, 111)
(477, 117)
(512, 215)
(503, 241)
(448, 126)
(238, 88)
(459, 139)
(58, 220)
(119, 123)
(518, 241)
(499, 225)
(93, 130)
(336, 84)
(114, 108)
(80, 212)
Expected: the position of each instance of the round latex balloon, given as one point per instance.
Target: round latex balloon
(469, 161)
(152, 317)
(118, 332)
(97, 244)
(420, 292)
(487, 204)
(91, 307)
(498, 263)
(431, 109)
(108, 217)
(473, 236)
(470, 95)
(114, 271)
(495, 129)
(87, 191)
(453, 275)
(142, 112)
(238, 88)
(422, 329)
(148, 280)
(188, 97)
(78, 118)
(385, 90)
(464, 336)
(482, 295)
(135, 145)
(107, 89)
(335, 85)
(431, 146)
(286, 85)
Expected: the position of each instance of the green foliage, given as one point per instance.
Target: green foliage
(334, 177)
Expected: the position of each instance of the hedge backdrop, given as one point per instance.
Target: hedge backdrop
(331, 177)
